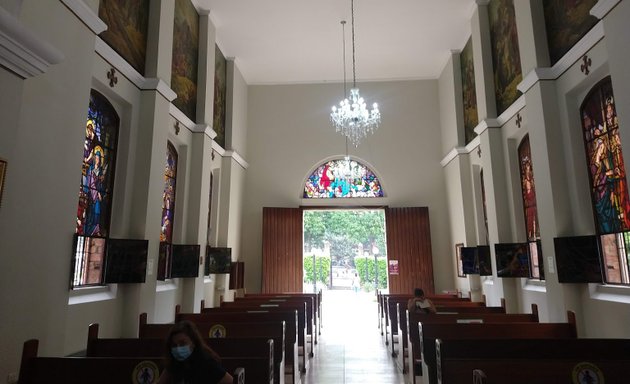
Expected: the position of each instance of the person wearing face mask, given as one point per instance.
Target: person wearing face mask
(189, 360)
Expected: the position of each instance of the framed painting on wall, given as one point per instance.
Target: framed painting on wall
(471, 117)
(185, 58)
(220, 92)
(506, 57)
(458, 259)
(566, 22)
(127, 28)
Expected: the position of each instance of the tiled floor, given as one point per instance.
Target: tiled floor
(351, 349)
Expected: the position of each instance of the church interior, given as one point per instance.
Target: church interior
(497, 161)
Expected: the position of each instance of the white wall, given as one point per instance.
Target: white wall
(40, 196)
(290, 134)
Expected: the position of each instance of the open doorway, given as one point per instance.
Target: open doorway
(344, 249)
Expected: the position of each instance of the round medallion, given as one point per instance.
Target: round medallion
(217, 331)
(587, 373)
(146, 372)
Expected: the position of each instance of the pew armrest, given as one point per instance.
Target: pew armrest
(238, 376)
(479, 377)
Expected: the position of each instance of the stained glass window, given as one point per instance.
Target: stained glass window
(607, 175)
(95, 192)
(528, 189)
(342, 178)
(609, 188)
(168, 211)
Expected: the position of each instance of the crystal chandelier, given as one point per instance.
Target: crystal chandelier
(352, 117)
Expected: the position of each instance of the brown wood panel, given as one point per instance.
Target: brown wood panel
(237, 275)
(409, 242)
(282, 250)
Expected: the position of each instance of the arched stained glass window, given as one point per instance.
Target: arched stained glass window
(95, 192)
(607, 175)
(168, 212)
(342, 178)
(609, 188)
(528, 190)
(168, 197)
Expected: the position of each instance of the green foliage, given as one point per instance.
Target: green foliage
(322, 268)
(365, 227)
(367, 279)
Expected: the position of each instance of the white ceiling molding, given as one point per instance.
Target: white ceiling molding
(238, 158)
(455, 152)
(575, 53)
(86, 15)
(205, 129)
(21, 51)
(121, 65)
(602, 8)
(159, 85)
(182, 118)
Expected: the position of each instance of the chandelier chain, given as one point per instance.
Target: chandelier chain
(343, 35)
(352, 118)
(354, 68)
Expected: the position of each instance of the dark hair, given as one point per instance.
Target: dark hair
(189, 329)
(418, 292)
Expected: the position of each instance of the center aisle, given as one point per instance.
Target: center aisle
(351, 349)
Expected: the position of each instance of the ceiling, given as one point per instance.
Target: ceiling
(300, 41)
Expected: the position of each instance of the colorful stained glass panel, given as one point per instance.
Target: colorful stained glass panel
(99, 159)
(609, 187)
(528, 189)
(168, 197)
(342, 178)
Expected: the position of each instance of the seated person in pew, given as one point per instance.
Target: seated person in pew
(419, 303)
(189, 360)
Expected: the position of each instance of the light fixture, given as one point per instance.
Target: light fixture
(352, 117)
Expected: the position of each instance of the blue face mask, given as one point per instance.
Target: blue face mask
(181, 353)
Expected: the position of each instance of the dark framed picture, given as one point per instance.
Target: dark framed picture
(218, 260)
(578, 259)
(126, 261)
(185, 260)
(458, 259)
(512, 260)
(470, 260)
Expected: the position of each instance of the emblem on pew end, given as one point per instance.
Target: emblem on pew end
(587, 373)
(146, 372)
(217, 331)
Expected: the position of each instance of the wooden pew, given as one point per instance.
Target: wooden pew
(446, 305)
(317, 300)
(289, 317)
(525, 371)
(442, 304)
(456, 359)
(98, 370)
(269, 366)
(309, 315)
(300, 307)
(413, 336)
(429, 332)
(436, 298)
